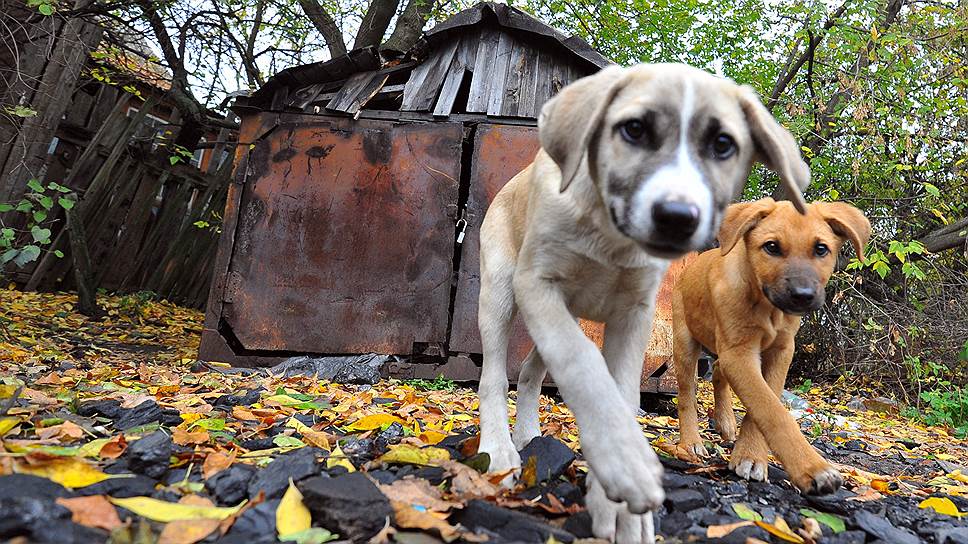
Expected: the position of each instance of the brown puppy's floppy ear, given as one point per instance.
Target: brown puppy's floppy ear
(739, 219)
(776, 147)
(569, 122)
(847, 222)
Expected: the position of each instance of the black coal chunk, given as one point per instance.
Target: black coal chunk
(552, 457)
(121, 488)
(226, 402)
(255, 526)
(579, 524)
(350, 505)
(846, 537)
(231, 485)
(30, 486)
(110, 409)
(274, 479)
(510, 525)
(684, 500)
(254, 444)
(952, 535)
(22, 515)
(145, 413)
(150, 455)
(390, 435)
(65, 531)
(881, 528)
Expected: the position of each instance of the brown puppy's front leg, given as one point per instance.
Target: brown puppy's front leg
(751, 453)
(807, 469)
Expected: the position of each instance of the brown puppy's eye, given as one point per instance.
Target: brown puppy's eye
(633, 131)
(821, 250)
(772, 248)
(723, 146)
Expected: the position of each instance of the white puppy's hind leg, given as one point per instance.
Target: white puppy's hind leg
(527, 426)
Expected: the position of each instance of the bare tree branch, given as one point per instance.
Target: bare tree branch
(375, 23)
(326, 26)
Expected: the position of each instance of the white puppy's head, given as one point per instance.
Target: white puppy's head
(667, 147)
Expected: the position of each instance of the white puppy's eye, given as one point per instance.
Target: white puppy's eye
(723, 146)
(633, 131)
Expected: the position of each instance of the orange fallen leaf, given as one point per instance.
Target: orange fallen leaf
(93, 511)
(880, 485)
(408, 517)
(216, 462)
(677, 451)
(189, 531)
(719, 531)
(187, 438)
(417, 492)
(114, 447)
(781, 530)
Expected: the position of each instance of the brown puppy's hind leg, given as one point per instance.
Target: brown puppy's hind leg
(685, 353)
(723, 407)
(810, 472)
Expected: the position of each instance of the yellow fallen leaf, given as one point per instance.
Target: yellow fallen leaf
(781, 530)
(412, 455)
(292, 516)
(7, 424)
(958, 476)
(719, 531)
(68, 471)
(316, 438)
(432, 437)
(942, 505)
(375, 421)
(338, 459)
(165, 512)
(189, 531)
(282, 400)
(93, 448)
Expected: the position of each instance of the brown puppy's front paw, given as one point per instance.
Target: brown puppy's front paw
(692, 451)
(826, 480)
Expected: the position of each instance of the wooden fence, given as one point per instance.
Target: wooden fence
(139, 214)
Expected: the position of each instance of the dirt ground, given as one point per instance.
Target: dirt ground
(112, 431)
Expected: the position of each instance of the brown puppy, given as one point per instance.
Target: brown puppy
(743, 301)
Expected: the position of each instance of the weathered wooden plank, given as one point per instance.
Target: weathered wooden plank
(498, 75)
(512, 83)
(481, 73)
(423, 97)
(528, 86)
(372, 88)
(448, 92)
(417, 77)
(345, 96)
(544, 88)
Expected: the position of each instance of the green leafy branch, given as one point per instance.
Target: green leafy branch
(23, 246)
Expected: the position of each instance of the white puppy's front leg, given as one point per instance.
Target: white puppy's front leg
(617, 452)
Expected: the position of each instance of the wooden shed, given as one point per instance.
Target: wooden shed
(354, 183)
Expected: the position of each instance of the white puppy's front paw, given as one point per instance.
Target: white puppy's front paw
(627, 469)
(503, 458)
(612, 521)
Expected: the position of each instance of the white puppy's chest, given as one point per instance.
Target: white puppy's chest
(600, 292)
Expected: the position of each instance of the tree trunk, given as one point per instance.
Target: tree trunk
(326, 26)
(86, 298)
(375, 22)
(409, 26)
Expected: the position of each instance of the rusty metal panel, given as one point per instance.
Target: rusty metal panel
(344, 239)
(500, 152)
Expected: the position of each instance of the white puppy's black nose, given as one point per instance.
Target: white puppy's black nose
(676, 221)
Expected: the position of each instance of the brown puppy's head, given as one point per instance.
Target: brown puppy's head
(667, 146)
(792, 255)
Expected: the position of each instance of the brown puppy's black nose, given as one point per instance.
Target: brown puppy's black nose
(802, 296)
(675, 220)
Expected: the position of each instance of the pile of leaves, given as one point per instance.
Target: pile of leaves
(112, 431)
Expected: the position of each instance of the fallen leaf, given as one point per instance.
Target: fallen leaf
(313, 535)
(678, 452)
(406, 454)
(186, 438)
(942, 505)
(70, 472)
(113, 448)
(719, 531)
(880, 485)
(189, 531)
(215, 463)
(338, 459)
(959, 477)
(157, 510)
(408, 517)
(747, 513)
(68, 431)
(835, 523)
(467, 482)
(375, 421)
(93, 511)
(316, 438)
(7, 424)
(417, 492)
(781, 530)
(292, 516)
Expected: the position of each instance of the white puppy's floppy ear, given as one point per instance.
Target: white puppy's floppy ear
(776, 147)
(570, 121)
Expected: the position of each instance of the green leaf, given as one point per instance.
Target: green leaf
(747, 513)
(210, 424)
(284, 441)
(8, 255)
(46, 9)
(39, 216)
(24, 206)
(835, 523)
(4, 208)
(47, 202)
(65, 203)
(41, 236)
(313, 535)
(35, 186)
(174, 159)
(7, 234)
(59, 254)
(932, 190)
(27, 254)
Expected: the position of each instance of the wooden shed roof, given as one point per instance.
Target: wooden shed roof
(490, 60)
